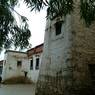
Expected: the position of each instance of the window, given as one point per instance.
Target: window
(31, 64)
(1, 69)
(92, 72)
(37, 64)
(58, 26)
(4, 62)
(19, 63)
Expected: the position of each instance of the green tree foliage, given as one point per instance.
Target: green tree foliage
(87, 10)
(59, 8)
(10, 32)
(63, 7)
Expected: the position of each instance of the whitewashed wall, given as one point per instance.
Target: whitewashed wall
(11, 59)
(55, 59)
(10, 68)
(53, 56)
(34, 73)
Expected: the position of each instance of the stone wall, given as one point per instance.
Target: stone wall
(83, 53)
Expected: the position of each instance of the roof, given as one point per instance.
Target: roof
(35, 47)
(35, 50)
(15, 51)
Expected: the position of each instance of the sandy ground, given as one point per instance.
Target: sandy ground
(17, 89)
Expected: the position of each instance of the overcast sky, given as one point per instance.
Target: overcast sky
(37, 21)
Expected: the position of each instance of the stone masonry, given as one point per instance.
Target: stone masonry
(66, 57)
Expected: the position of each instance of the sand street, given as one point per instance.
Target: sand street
(17, 89)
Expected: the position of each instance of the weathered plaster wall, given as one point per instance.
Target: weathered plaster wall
(10, 68)
(34, 73)
(54, 68)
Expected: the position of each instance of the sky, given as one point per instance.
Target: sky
(36, 21)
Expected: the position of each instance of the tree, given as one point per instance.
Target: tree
(19, 35)
(63, 7)
(10, 32)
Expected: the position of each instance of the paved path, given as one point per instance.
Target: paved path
(17, 90)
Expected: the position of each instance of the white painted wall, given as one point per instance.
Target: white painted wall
(56, 47)
(11, 59)
(11, 62)
(34, 73)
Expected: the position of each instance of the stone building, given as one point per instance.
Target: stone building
(68, 61)
(22, 63)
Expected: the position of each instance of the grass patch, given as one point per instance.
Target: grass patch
(18, 80)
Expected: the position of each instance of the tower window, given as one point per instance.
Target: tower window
(58, 26)
(19, 63)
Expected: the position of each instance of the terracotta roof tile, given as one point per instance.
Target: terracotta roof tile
(35, 50)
